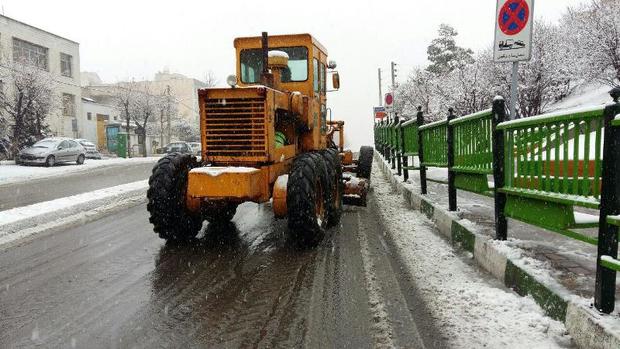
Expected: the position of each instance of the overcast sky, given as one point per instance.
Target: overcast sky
(124, 39)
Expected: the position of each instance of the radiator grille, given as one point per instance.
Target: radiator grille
(235, 127)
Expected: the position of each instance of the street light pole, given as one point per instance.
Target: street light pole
(380, 93)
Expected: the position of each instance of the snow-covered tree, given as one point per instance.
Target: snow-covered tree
(444, 54)
(547, 77)
(26, 99)
(594, 33)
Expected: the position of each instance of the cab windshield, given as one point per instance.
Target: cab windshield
(252, 64)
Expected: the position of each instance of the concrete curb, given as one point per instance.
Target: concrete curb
(588, 328)
(81, 211)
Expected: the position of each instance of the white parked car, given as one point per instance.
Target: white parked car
(91, 149)
(50, 151)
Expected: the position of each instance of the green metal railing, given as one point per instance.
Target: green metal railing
(543, 167)
(435, 139)
(558, 156)
(410, 138)
(473, 149)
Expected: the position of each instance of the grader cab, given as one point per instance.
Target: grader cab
(265, 138)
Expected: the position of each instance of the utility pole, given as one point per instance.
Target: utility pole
(380, 93)
(168, 101)
(393, 71)
(393, 67)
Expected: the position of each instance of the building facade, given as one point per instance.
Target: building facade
(94, 120)
(58, 56)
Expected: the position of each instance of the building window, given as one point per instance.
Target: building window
(66, 64)
(26, 52)
(89, 116)
(68, 104)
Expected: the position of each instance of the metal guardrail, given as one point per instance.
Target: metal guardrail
(542, 168)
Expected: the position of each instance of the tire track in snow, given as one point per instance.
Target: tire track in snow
(382, 328)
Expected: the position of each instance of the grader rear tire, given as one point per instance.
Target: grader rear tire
(364, 162)
(334, 169)
(166, 198)
(307, 218)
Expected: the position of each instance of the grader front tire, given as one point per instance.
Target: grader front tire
(306, 202)
(166, 198)
(219, 213)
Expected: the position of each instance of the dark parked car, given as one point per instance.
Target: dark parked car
(178, 147)
(50, 151)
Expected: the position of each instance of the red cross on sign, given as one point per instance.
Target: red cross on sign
(513, 16)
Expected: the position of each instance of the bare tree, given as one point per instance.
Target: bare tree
(125, 95)
(147, 104)
(210, 79)
(26, 99)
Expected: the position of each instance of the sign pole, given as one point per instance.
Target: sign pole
(514, 86)
(380, 93)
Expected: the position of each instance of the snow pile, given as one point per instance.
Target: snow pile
(278, 53)
(216, 171)
(472, 309)
(11, 173)
(23, 221)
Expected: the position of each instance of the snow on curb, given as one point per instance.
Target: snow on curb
(10, 173)
(588, 328)
(20, 222)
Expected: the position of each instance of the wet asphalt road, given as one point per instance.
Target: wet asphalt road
(112, 283)
(44, 189)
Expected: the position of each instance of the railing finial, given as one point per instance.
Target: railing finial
(615, 93)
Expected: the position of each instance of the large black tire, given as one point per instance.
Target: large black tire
(334, 169)
(217, 212)
(306, 204)
(166, 198)
(321, 166)
(364, 162)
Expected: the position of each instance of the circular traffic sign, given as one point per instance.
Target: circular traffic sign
(389, 99)
(513, 16)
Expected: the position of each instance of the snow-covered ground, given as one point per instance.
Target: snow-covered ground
(11, 173)
(23, 221)
(472, 309)
(583, 96)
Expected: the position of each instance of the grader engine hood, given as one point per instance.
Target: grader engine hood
(238, 124)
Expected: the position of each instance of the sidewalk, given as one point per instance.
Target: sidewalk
(557, 271)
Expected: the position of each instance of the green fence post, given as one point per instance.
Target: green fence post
(451, 174)
(404, 155)
(420, 122)
(388, 137)
(605, 288)
(499, 115)
(399, 144)
(393, 155)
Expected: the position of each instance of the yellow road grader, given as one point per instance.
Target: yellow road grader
(265, 138)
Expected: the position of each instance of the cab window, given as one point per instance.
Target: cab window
(315, 74)
(322, 77)
(252, 64)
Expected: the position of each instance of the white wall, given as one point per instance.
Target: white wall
(9, 28)
(88, 128)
